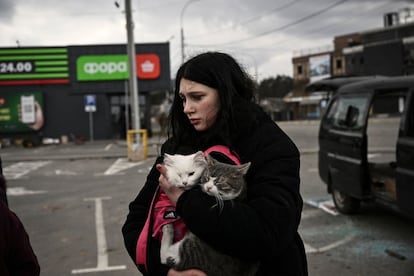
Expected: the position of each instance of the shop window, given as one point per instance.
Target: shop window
(339, 63)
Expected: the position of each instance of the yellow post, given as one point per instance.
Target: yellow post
(136, 150)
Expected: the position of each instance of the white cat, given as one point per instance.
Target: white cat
(185, 171)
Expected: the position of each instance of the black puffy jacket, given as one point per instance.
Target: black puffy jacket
(262, 227)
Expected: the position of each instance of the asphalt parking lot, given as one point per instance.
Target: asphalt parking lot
(73, 200)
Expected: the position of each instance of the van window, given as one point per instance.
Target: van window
(347, 112)
(384, 121)
(386, 105)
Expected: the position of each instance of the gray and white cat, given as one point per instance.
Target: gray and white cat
(224, 182)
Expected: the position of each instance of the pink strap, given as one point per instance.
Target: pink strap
(141, 249)
(224, 150)
(162, 207)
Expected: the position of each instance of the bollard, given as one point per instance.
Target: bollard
(137, 141)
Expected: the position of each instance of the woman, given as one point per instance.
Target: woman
(214, 104)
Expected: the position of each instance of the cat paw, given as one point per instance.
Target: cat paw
(171, 261)
(164, 260)
(168, 229)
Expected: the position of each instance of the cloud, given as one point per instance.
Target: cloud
(263, 33)
(7, 9)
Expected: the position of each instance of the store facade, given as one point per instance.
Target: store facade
(46, 91)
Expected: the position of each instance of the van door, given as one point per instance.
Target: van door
(343, 139)
(405, 159)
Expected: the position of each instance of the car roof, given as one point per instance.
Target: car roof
(378, 84)
(332, 84)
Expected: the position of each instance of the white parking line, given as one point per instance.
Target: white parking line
(108, 147)
(325, 205)
(19, 169)
(310, 213)
(102, 261)
(310, 249)
(20, 191)
(63, 172)
(121, 164)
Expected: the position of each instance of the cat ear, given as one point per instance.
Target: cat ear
(199, 157)
(167, 159)
(168, 156)
(210, 160)
(243, 168)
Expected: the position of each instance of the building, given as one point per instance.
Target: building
(386, 51)
(308, 65)
(81, 90)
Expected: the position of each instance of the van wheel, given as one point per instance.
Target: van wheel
(345, 203)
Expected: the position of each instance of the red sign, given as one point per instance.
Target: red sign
(148, 66)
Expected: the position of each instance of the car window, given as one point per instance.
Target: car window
(347, 112)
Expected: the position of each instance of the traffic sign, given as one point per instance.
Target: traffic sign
(90, 103)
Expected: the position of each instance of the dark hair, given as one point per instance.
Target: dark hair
(235, 88)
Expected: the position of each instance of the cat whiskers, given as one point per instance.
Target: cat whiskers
(220, 202)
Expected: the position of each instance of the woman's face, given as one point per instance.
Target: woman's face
(201, 103)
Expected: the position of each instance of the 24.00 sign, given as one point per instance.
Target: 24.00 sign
(12, 67)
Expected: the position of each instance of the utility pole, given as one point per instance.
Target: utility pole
(133, 82)
(182, 45)
(182, 29)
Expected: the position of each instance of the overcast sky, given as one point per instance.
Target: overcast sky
(262, 34)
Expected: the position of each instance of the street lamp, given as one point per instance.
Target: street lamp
(182, 30)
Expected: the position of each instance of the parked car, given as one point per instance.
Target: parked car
(366, 144)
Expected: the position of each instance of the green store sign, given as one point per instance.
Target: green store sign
(103, 67)
(26, 65)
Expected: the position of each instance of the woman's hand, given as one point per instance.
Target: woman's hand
(171, 191)
(189, 272)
